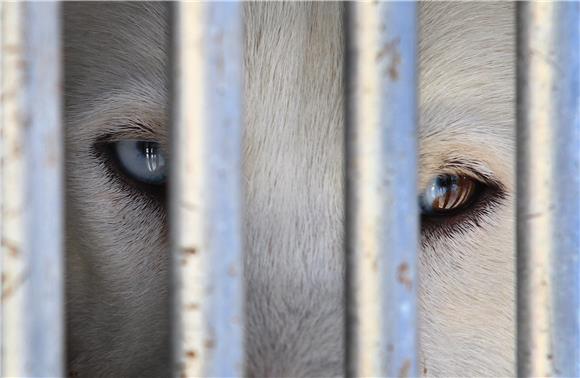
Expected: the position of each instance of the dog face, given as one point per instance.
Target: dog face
(116, 63)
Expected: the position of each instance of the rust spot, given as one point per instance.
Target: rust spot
(189, 206)
(16, 150)
(209, 343)
(384, 51)
(181, 369)
(190, 251)
(391, 52)
(232, 271)
(192, 306)
(190, 354)
(403, 276)
(73, 373)
(10, 289)
(405, 369)
(424, 370)
(550, 356)
(390, 348)
(12, 49)
(12, 248)
(533, 215)
(394, 67)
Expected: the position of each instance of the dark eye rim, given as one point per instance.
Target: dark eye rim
(478, 189)
(488, 196)
(104, 150)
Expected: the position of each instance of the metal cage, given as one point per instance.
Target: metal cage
(381, 235)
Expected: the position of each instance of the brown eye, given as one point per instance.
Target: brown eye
(448, 193)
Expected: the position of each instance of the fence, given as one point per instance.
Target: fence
(382, 235)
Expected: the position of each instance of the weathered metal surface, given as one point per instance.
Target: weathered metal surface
(548, 189)
(2, 157)
(12, 201)
(206, 189)
(382, 209)
(32, 190)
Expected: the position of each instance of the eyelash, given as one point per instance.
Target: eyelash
(433, 226)
(488, 197)
(103, 151)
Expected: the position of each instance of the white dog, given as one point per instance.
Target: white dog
(116, 61)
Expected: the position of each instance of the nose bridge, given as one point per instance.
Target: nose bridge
(293, 192)
(294, 262)
(294, 308)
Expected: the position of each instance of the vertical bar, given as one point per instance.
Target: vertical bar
(548, 184)
(2, 178)
(206, 189)
(382, 211)
(12, 163)
(32, 191)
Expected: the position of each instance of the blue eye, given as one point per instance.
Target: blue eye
(446, 194)
(141, 160)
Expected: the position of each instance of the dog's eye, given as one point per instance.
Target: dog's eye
(142, 161)
(447, 194)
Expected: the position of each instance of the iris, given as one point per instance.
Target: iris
(143, 161)
(446, 194)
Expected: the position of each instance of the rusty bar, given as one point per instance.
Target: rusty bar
(382, 211)
(2, 179)
(12, 190)
(206, 189)
(548, 189)
(32, 190)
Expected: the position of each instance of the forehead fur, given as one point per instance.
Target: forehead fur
(467, 85)
(116, 58)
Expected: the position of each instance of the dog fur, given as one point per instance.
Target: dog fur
(116, 62)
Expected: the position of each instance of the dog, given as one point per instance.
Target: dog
(117, 106)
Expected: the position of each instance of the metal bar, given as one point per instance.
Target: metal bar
(382, 210)
(32, 191)
(3, 145)
(206, 189)
(548, 185)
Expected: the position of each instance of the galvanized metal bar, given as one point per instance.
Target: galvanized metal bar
(382, 210)
(32, 190)
(3, 20)
(206, 189)
(548, 189)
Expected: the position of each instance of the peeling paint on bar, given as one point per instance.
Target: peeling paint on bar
(548, 185)
(2, 178)
(206, 190)
(382, 210)
(12, 200)
(32, 302)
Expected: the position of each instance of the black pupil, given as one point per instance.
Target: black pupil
(449, 183)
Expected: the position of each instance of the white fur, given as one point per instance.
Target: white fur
(117, 282)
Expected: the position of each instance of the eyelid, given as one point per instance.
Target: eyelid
(142, 160)
(127, 136)
(103, 151)
(474, 169)
(493, 194)
(444, 228)
(449, 194)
